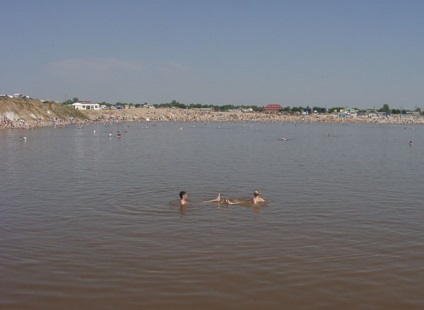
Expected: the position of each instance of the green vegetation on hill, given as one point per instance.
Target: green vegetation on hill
(33, 109)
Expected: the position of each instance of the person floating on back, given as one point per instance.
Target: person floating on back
(255, 200)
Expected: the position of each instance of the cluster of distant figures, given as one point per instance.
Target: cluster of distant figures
(255, 200)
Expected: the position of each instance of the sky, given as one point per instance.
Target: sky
(325, 53)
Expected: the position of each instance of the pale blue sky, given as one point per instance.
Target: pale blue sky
(296, 53)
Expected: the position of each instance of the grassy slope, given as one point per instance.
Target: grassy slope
(31, 109)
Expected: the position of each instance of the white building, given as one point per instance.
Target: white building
(86, 105)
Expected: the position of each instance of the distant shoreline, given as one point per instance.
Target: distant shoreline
(169, 115)
(178, 115)
(30, 114)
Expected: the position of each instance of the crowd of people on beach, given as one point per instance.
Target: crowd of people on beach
(188, 115)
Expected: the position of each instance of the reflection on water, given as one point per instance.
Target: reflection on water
(89, 220)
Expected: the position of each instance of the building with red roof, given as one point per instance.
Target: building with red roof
(272, 107)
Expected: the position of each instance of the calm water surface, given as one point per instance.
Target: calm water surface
(92, 221)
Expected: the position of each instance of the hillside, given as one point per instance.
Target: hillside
(26, 113)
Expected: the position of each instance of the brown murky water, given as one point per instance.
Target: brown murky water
(92, 221)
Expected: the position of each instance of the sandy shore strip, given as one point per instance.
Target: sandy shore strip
(191, 115)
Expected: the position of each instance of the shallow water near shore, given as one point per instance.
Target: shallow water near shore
(88, 220)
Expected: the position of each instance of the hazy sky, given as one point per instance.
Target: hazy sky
(324, 53)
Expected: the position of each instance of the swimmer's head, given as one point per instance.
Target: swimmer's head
(182, 193)
(256, 193)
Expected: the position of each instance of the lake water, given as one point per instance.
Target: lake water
(93, 221)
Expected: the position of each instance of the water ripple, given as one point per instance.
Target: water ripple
(92, 221)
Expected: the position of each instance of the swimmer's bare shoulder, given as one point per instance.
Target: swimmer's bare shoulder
(258, 200)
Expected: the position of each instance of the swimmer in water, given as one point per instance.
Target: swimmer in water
(183, 198)
(256, 198)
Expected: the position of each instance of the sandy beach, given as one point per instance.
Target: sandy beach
(31, 113)
(191, 115)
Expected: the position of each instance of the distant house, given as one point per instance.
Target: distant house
(148, 106)
(272, 107)
(86, 105)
